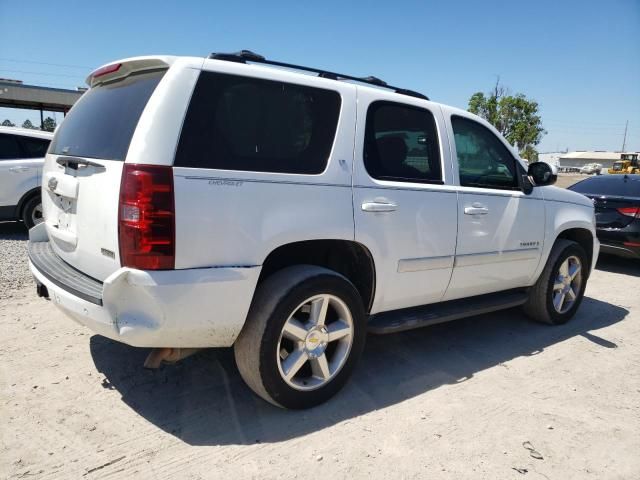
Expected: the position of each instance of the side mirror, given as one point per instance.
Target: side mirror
(527, 186)
(542, 174)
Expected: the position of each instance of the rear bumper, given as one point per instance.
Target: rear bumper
(196, 308)
(624, 242)
(620, 250)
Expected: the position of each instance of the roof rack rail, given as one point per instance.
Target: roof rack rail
(244, 56)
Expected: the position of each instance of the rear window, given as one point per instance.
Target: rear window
(249, 124)
(34, 147)
(102, 122)
(617, 185)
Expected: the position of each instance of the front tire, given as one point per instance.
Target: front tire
(304, 334)
(32, 212)
(556, 296)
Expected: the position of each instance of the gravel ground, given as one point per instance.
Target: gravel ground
(14, 269)
(567, 179)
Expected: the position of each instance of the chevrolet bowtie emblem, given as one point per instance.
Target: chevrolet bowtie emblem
(52, 184)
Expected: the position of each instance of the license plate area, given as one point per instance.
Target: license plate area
(64, 217)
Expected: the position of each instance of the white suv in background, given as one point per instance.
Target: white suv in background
(22, 154)
(193, 203)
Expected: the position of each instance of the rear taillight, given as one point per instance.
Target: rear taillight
(146, 217)
(630, 211)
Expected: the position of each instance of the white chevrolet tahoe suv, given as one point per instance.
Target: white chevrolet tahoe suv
(226, 201)
(22, 154)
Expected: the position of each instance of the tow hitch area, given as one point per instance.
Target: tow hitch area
(167, 355)
(42, 291)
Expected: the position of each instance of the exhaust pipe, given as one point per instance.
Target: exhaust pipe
(42, 291)
(167, 355)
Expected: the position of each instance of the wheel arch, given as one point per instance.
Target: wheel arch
(583, 237)
(34, 192)
(349, 258)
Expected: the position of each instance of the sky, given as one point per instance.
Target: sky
(580, 60)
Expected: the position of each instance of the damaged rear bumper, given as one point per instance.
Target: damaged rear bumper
(191, 308)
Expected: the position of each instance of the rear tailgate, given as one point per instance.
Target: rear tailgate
(82, 171)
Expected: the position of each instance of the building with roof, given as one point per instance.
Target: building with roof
(581, 158)
(552, 158)
(15, 94)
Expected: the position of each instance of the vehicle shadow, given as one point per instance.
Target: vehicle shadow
(13, 231)
(613, 264)
(204, 401)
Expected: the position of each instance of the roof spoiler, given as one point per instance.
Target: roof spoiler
(124, 68)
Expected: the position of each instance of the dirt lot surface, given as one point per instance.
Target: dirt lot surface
(567, 179)
(489, 397)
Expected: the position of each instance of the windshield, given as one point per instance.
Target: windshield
(102, 122)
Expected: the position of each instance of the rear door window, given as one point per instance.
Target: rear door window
(401, 143)
(101, 124)
(34, 147)
(9, 147)
(249, 124)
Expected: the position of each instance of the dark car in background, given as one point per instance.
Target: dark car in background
(617, 207)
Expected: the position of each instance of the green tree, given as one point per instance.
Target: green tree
(49, 124)
(27, 124)
(529, 153)
(8, 123)
(514, 116)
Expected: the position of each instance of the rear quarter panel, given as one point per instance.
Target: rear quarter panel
(236, 218)
(156, 136)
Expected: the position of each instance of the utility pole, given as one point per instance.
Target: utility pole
(624, 140)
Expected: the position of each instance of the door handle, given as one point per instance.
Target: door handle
(379, 207)
(476, 209)
(19, 169)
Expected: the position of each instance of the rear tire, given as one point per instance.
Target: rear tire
(32, 212)
(304, 334)
(557, 294)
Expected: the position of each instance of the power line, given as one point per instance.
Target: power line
(616, 131)
(590, 132)
(595, 124)
(45, 63)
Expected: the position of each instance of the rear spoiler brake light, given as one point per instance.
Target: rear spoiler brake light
(105, 70)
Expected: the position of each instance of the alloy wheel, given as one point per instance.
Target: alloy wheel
(566, 286)
(315, 342)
